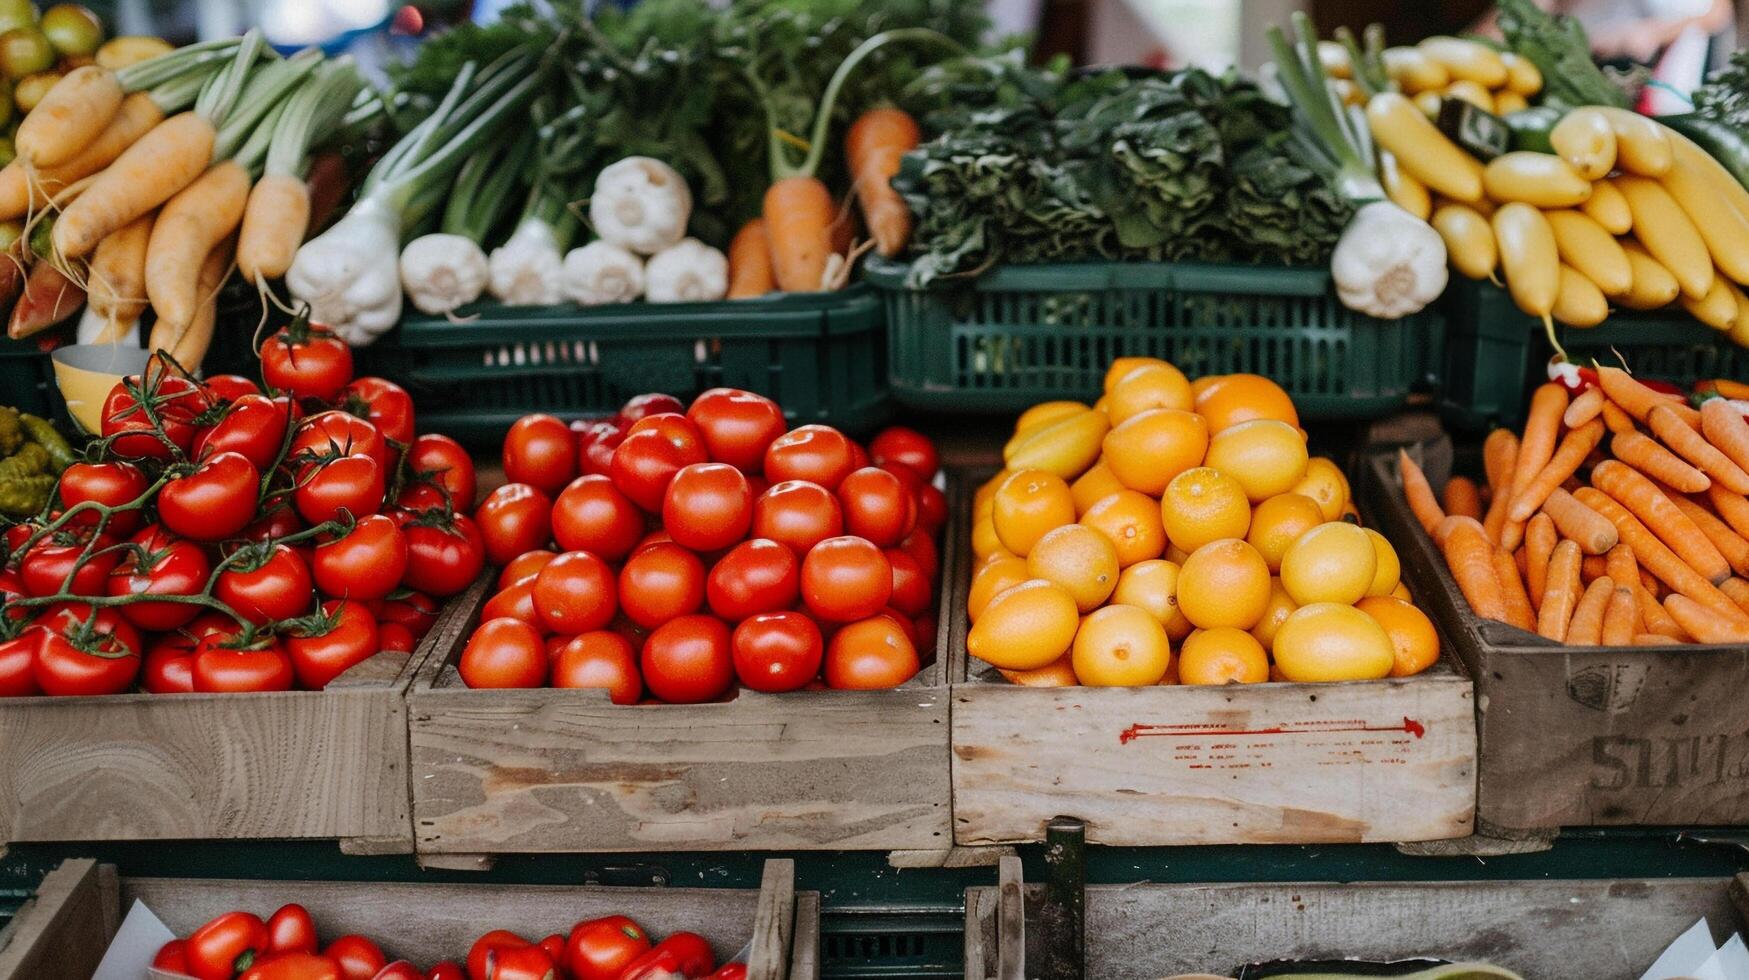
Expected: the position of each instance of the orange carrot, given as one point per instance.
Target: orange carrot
(1726, 387)
(1583, 409)
(1619, 422)
(1420, 495)
(1652, 553)
(799, 212)
(1539, 541)
(1690, 445)
(1463, 497)
(1730, 544)
(1593, 567)
(22, 191)
(1706, 624)
(1471, 560)
(1586, 627)
(116, 278)
(1590, 530)
(188, 227)
(750, 262)
(877, 141)
(1738, 590)
(1561, 593)
(1636, 399)
(1646, 502)
(48, 298)
(1620, 618)
(1620, 565)
(70, 115)
(1726, 429)
(1499, 457)
(274, 224)
(1656, 640)
(1654, 616)
(1541, 427)
(1518, 611)
(147, 174)
(1577, 445)
(1732, 507)
(1651, 458)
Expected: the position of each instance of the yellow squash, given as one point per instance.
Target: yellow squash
(1579, 303)
(1468, 239)
(1540, 179)
(1591, 251)
(1421, 149)
(1653, 286)
(1608, 208)
(1529, 257)
(1585, 139)
(1661, 225)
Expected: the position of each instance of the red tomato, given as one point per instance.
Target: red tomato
(655, 448)
(336, 433)
(730, 971)
(446, 971)
(253, 426)
(708, 507)
(593, 515)
(737, 426)
(845, 579)
(816, 453)
(110, 484)
(513, 519)
(798, 514)
(685, 954)
(440, 459)
(399, 970)
(596, 442)
(503, 653)
(17, 655)
(416, 611)
(554, 947)
(345, 637)
(359, 958)
(214, 502)
(128, 413)
(920, 544)
(877, 506)
(444, 556)
(923, 631)
(777, 651)
(653, 538)
(291, 930)
(755, 577)
(686, 660)
(645, 405)
(515, 602)
(600, 949)
(172, 956)
(906, 446)
(269, 584)
(911, 594)
(230, 387)
(294, 966)
(231, 664)
(395, 637)
(332, 488)
(659, 583)
(519, 963)
(307, 360)
(931, 507)
(575, 593)
(82, 651)
(47, 564)
(600, 659)
(178, 568)
(169, 665)
(278, 519)
(365, 563)
(872, 654)
(524, 567)
(485, 944)
(226, 946)
(858, 456)
(539, 450)
(385, 403)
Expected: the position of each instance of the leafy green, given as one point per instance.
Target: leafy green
(1557, 46)
(1725, 96)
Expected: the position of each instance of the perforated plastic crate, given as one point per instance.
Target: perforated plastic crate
(1019, 335)
(27, 378)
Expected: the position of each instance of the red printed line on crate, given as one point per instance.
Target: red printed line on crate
(1130, 734)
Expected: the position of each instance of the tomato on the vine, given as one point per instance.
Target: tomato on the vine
(51, 560)
(385, 403)
(230, 387)
(278, 519)
(575, 593)
(85, 651)
(756, 576)
(591, 514)
(269, 583)
(737, 426)
(17, 656)
(540, 450)
(169, 663)
(213, 501)
(660, 582)
(440, 459)
(601, 949)
(687, 661)
(226, 946)
(341, 636)
(365, 563)
(907, 446)
(174, 567)
(444, 554)
(307, 360)
(414, 610)
(845, 579)
(655, 448)
(777, 651)
(237, 664)
(871, 654)
(254, 426)
(707, 507)
(599, 659)
(877, 506)
(111, 484)
(503, 653)
(131, 406)
(513, 519)
(797, 514)
(816, 453)
(336, 433)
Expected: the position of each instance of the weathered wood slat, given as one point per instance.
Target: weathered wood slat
(61, 933)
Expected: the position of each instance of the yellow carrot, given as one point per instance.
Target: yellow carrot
(274, 223)
(69, 117)
(184, 234)
(116, 278)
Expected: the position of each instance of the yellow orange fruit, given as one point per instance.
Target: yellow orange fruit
(1222, 655)
(1025, 627)
(1224, 583)
(1202, 505)
(984, 540)
(985, 495)
(1389, 573)
(1414, 641)
(1175, 554)
(1120, 368)
(1145, 387)
(991, 579)
(1093, 486)
(1203, 384)
(1120, 646)
(1029, 503)
(1402, 592)
(1065, 447)
(1058, 673)
(1325, 483)
(1045, 413)
(1267, 457)
(1149, 449)
(1132, 521)
(1328, 641)
(1236, 398)
(1078, 558)
(1153, 585)
(1333, 562)
(1275, 612)
(1278, 522)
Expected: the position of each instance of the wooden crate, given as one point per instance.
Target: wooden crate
(1544, 930)
(1583, 735)
(297, 764)
(544, 770)
(1387, 760)
(63, 932)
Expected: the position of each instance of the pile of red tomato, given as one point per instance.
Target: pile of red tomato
(704, 545)
(241, 945)
(223, 538)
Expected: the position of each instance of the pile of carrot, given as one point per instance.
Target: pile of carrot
(1620, 517)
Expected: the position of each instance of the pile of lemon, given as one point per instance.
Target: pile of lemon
(1173, 513)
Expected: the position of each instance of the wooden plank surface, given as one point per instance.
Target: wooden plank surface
(62, 932)
(1585, 735)
(804, 961)
(774, 921)
(1010, 921)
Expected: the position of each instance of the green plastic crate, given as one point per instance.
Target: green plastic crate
(821, 356)
(27, 378)
(1019, 335)
(1495, 354)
